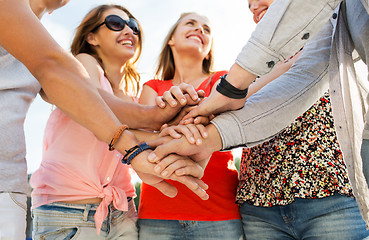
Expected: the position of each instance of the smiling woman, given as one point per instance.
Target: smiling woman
(187, 56)
(101, 46)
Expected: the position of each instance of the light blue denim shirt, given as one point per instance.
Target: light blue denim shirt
(326, 62)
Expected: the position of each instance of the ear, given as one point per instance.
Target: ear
(91, 39)
(171, 42)
(207, 56)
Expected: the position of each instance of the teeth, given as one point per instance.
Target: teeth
(261, 15)
(126, 42)
(195, 37)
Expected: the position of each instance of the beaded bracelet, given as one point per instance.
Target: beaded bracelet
(228, 90)
(116, 136)
(133, 152)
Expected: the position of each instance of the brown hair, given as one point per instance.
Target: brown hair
(80, 44)
(166, 67)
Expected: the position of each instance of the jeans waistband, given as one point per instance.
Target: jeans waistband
(91, 206)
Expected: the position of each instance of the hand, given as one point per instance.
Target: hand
(164, 115)
(198, 153)
(214, 104)
(183, 93)
(192, 132)
(146, 170)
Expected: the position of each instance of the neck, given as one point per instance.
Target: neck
(115, 73)
(38, 7)
(188, 70)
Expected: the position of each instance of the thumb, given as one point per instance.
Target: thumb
(160, 152)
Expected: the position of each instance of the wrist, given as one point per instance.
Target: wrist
(213, 141)
(126, 141)
(239, 77)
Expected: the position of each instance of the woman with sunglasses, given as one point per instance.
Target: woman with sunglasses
(82, 190)
(187, 57)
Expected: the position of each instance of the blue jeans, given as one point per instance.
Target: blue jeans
(76, 221)
(152, 229)
(335, 217)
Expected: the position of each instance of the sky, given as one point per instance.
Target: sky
(231, 24)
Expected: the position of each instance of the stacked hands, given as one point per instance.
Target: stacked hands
(180, 152)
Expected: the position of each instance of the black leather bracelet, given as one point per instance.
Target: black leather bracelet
(133, 152)
(228, 90)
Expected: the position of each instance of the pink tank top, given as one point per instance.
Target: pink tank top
(77, 166)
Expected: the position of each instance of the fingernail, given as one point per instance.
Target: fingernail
(198, 142)
(162, 104)
(174, 103)
(164, 174)
(205, 134)
(157, 169)
(192, 140)
(151, 157)
(180, 172)
(183, 101)
(194, 97)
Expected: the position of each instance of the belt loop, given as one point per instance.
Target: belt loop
(85, 213)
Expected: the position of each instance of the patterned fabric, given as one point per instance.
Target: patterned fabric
(302, 161)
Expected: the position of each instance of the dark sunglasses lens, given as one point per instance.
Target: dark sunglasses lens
(132, 24)
(115, 23)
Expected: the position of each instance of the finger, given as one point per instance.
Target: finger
(158, 141)
(190, 90)
(192, 114)
(201, 120)
(165, 125)
(201, 93)
(202, 129)
(159, 101)
(190, 101)
(162, 150)
(185, 167)
(170, 132)
(187, 133)
(177, 164)
(193, 185)
(187, 121)
(164, 163)
(166, 188)
(178, 94)
(202, 184)
(168, 97)
(191, 168)
(195, 132)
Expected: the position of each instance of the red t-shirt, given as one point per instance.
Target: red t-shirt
(220, 174)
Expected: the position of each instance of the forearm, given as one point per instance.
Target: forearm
(61, 76)
(280, 102)
(136, 116)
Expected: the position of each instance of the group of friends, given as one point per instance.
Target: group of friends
(292, 99)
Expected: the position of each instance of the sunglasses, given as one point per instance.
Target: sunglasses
(116, 23)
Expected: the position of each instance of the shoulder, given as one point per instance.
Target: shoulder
(158, 84)
(91, 65)
(216, 76)
(85, 58)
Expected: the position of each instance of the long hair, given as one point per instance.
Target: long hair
(166, 67)
(80, 45)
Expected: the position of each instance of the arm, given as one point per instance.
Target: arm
(66, 82)
(281, 101)
(284, 29)
(148, 96)
(61, 76)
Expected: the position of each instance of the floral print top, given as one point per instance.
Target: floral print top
(302, 161)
